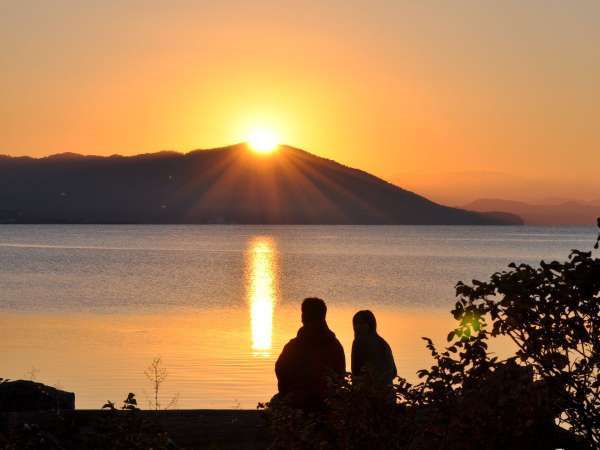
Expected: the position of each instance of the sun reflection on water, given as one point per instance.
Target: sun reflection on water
(261, 266)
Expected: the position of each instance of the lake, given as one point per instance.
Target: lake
(86, 308)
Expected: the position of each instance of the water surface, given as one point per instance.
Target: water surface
(88, 307)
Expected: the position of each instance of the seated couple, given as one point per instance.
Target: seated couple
(307, 361)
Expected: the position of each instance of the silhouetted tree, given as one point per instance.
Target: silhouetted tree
(552, 314)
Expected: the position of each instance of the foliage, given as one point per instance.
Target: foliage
(295, 429)
(127, 428)
(545, 396)
(116, 428)
(552, 314)
(30, 437)
(129, 404)
(504, 409)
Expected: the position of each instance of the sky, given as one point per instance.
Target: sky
(454, 99)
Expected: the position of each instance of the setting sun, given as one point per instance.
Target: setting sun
(263, 141)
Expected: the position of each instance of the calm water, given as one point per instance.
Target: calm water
(86, 308)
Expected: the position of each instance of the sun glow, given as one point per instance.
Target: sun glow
(263, 141)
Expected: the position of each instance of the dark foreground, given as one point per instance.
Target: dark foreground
(189, 429)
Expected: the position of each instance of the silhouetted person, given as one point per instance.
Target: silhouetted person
(370, 352)
(307, 361)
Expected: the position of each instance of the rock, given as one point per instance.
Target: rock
(24, 395)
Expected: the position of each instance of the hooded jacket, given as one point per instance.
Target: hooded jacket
(306, 362)
(371, 352)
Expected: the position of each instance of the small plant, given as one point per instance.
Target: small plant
(126, 427)
(157, 375)
(32, 373)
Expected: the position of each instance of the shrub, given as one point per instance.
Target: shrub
(115, 429)
(552, 314)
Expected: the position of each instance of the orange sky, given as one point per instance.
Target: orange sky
(454, 99)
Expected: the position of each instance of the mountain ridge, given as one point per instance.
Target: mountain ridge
(221, 185)
(563, 212)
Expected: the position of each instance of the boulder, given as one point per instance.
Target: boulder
(24, 395)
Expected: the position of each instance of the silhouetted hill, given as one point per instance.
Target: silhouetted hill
(226, 185)
(504, 217)
(562, 213)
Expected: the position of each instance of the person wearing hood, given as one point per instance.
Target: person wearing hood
(308, 360)
(370, 352)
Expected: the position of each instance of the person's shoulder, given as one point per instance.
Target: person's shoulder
(296, 340)
(292, 342)
(383, 342)
(290, 349)
(336, 342)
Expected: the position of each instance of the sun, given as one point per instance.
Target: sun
(263, 141)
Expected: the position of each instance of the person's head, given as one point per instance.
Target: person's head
(313, 310)
(364, 323)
